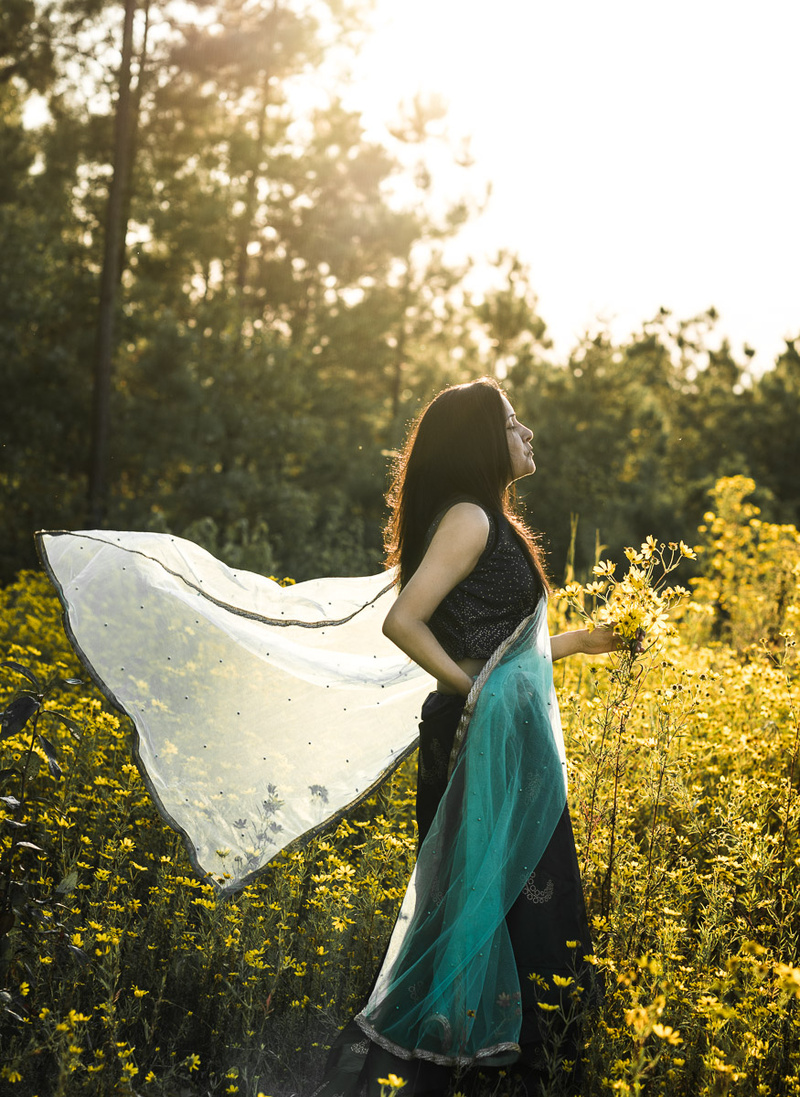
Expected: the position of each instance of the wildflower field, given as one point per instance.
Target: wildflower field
(123, 973)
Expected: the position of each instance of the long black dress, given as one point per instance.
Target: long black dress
(547, 923)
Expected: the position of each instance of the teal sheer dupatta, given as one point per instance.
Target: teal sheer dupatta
(449, 989)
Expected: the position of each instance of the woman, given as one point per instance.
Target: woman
(495, 909)
(494, 915)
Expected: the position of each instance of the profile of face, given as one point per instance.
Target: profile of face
(519, 443)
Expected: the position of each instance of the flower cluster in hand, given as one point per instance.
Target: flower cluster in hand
(638, 604)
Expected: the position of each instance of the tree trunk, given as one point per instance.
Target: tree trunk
(115, 232)
(133, 133)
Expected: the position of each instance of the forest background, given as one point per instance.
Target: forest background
(257, 299)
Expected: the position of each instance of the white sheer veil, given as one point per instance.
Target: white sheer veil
(262, 713)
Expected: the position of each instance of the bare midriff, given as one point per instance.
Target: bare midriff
(472, 667)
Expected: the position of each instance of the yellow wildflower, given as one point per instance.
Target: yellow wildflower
(605, 567)
(664, 1032)
(393, 1080)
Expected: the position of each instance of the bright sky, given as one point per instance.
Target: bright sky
(641, 153)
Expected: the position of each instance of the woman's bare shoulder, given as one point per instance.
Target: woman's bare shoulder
(465, 524)
(458, 543)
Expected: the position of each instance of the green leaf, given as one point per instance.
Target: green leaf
(16, 716)
(73, 725)
(50, 753)
(46, 746)
(19, 669)
(78, 953)
(67, 885)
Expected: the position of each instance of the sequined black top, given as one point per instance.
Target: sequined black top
(498, 594)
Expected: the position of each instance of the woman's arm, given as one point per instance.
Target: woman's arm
(584, 641)
(452, 554)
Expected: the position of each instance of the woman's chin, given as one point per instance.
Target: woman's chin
(527, 471)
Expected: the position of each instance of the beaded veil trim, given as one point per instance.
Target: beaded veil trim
(509, 1051)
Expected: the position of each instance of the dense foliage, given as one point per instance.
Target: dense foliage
(282, 306)
(124, 973)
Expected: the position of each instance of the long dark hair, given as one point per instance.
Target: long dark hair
(456, 447)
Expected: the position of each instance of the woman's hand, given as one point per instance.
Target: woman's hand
(635, 646)
(596, 641)
(600, 640)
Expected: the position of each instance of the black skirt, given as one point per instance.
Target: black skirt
(547, 924)
(549, 933)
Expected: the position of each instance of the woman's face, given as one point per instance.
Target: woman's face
(519, 444)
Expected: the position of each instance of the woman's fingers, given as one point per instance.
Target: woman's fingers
(636, 645)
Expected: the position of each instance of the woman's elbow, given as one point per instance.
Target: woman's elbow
(395, 626)
(391, 630)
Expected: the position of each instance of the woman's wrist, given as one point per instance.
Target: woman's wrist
(470, 679)
(573, 642)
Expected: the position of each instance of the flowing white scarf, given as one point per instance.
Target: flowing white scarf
(262, 713)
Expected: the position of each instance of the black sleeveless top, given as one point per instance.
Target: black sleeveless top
(498, 594)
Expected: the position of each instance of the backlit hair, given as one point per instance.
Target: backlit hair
(457, 447)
